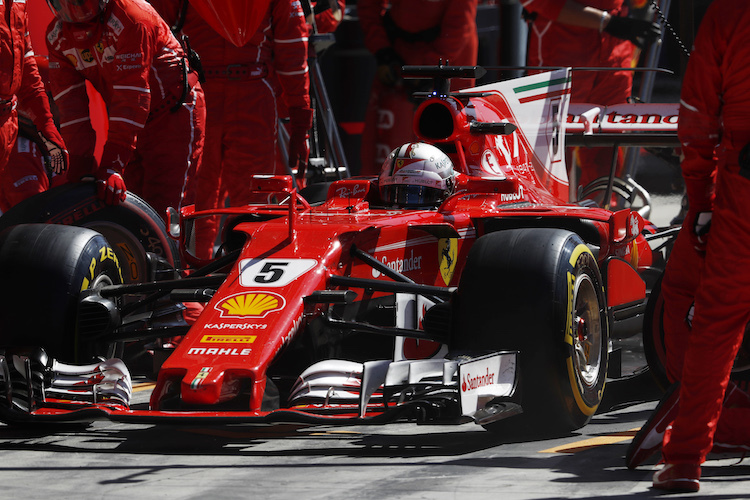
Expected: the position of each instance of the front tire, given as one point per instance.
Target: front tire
(132, 227)
(45, 267)
(539, 291)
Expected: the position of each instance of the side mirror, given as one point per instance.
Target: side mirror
(173, 223)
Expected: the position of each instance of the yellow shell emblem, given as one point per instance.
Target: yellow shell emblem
(447, 254)
(244, 305)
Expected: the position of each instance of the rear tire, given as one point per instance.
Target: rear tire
(539, 291)
(45, 267)
(655, 348)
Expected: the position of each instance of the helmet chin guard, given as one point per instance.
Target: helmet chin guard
(416, 175)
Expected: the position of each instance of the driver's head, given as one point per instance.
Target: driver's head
(77, 11)
(416, 175)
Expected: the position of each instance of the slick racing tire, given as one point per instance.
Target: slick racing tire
(653, 337)
(655, 349)
(132, 227)
(539, 291)
(45, 267)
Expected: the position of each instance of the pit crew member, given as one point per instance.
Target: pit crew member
(22, 87)
(409, 32)
(242, 102)
(706, 286)
(589, 33)
(153, 97)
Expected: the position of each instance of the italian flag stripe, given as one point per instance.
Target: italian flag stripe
(544, 96)
(542, 85)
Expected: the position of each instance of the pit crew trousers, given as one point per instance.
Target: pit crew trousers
(24, 174)
(168, 152)
(230, 154)
(8, 134)
(721, 292)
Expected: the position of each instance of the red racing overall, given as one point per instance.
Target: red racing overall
(20, 83)
(555, 44)
(242, 100)
(156, 117)
(713, 128)
(421, 32)
(24, 175)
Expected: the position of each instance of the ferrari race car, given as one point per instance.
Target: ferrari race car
(331, 305)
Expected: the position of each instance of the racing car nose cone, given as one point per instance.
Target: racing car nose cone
(209, 386)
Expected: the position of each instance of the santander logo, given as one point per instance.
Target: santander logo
(471, 382)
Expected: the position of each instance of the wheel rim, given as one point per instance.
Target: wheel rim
(587, 338)
(133, 262)
(102, 280)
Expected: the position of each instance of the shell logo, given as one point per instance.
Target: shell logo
(255, 304)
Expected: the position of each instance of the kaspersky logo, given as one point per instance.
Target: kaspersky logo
(250, 305)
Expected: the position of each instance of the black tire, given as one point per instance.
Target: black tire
(132, 228)
(45, 267)
(523, 289)
(653, 337)
(655, 348)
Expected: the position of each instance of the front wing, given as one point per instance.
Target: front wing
(482, 389)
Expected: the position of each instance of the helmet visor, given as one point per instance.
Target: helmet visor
(413, 196)
(76, 11)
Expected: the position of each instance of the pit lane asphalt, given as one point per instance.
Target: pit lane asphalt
(399, 461)
(396, 461)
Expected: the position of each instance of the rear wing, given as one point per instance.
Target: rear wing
(639, 124)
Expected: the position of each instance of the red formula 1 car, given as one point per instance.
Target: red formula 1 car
(498, 302)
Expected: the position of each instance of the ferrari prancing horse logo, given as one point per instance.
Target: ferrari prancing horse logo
(447, 254)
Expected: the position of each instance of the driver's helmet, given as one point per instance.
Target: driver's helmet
(77, 11)
(416, 175)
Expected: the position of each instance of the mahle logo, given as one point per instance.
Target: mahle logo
(243, 305)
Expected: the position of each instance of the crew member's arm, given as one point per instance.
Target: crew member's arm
(290, 64)
(32, 99)
(457, 30)
(169, 10)
(389, 62)
(699, 129)
(574, 13)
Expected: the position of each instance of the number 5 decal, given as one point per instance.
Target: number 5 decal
(272, 272)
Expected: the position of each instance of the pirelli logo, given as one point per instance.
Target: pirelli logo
(228, 339)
